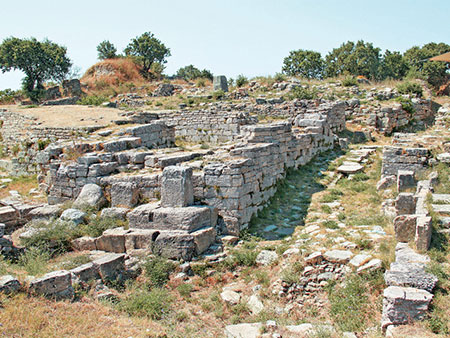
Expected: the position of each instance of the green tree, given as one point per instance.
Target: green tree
(40, 61)
(419, 66)
(146, 50)
(191, 73)
(351, 58)
(304, 63)
(393, 66)
(106, 50)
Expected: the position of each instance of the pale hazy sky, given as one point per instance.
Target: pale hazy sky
(228, 37)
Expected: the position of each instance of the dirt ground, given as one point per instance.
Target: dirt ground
(68, 116)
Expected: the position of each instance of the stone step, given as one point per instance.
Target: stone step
(442, 209)
(441, 198)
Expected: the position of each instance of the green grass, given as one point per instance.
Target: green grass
(185, 289)
(34, 261)
(153, 304)
(158, 269)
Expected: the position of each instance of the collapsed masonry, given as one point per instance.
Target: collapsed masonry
(229, 185)
(408, 294)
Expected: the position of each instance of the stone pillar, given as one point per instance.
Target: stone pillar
(405, 180)
(176, 187)
(220, 83)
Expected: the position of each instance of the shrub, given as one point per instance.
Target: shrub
(218, 94)
(241, 80)
(92, 100)
(98, 225)
(245, 257)
(153, 304)
(53, 238)
(201, 83)
(34, 261)
(349, 81)
(410, 88)
(158, 270)
(302, 93)
(330, 224)
(185, 289)
(7, 96)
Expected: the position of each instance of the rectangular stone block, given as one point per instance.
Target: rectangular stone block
(405, 228)
(110, 266)
(176, 187)
(86, 272)
(423, 232)
(405, 204)
(56, 284)
(405, 180)
(203, 239)
(140, 239)
(186, 219)
(175, 245)
(142, 216)
(112, 240)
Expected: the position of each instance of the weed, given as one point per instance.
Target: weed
(241, 80)
(245, 257)
(185, 289)
(96, 226)
(92, 100)
(326, 209)
(34, 261)
(158, 270)
(73, 262)
(330, 224)
(302, 93)
(349, 81)
(410, 88)
(153, 304)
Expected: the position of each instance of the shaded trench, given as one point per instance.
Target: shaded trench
(288, 208)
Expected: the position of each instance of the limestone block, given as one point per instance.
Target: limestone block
(175, 245)
(124, 194)
(9, 284)
(141, 217)
(86, 272)
(91, 195)
(56, 284)
(84, 243)
(423, 232)
(176, 187)
(405, 228)
(405, 180)
(140, 239)
(338, 256)
(110, 266)
(112, 240)
(203, 239)
(405, 204)
(117, 213)
(404, 304)
(73, 215)
(220, 83)
(187, 219)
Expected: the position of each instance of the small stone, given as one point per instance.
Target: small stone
(266, 257)
(73, 215)
(255, 305)
(338, 256)
(230, 297)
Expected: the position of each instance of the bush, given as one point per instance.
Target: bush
(241, 80)
(218, 94)
(92, 100)
(349, 81)
(8, 96)
(410, 88)
(153, 304)
(53, 238)
(245, 257)
(158, 270)
(302, 93)
(98, 225)
(34, 261)
(185, 289)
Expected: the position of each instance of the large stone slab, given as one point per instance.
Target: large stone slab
(140, 239)
(442, 209)
(350, 168)
(405, 204)
(405, 228)
(410, 275)
(86, 272)
(424, 228)
(203, 239)
(243, 330)
(110, 266)
(405, 180)
(124, 194)
(142, 216)
(176, 187)
(187, 219)
(338, 256)
(175, 245)
(112, 240)
(401, 305)
(220, 83)
(9, 284)
(91, 195)
(56, 284)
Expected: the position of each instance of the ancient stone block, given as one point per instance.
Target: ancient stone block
(112, 240)
(405, 228)
(116, 213)
(9, 284)
(110, 266)
(187, 219)
(84, 243)
(401, 305)
(220, 83)
(91, 195)
(124, 194)
(56, 284)
(176, 187)
(423, 232)
(203, 239)
(405, 204)
(140, 239)
(175, 245)
(405, 180)
(141, 217)
(73, 215)
(338, 256)
(86, 272)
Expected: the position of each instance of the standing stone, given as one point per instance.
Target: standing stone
(403, 304)
(423, 232)
(90, 196)
(124, 194)
(220, 83)
(405, 204)
(177, 190)
(405, 228)
(405, 180)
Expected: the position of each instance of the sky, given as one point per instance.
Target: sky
(228, 37)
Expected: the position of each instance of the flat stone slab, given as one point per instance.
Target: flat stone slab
(9, 284)
(266, 257)
(359, 260)
(443, 209)
(403, 304)
(338, 256)
(110, 266)
(441, 198)
(56, 284)
(244, 330)
(349, 168)
(410, 275)
(230, 297)
(443, 157)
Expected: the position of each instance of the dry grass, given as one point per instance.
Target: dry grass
(21, 184)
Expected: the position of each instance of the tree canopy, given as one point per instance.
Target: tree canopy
(191, 73)
(106, 50)
(304, 63)
(146, 50)
(40, 61)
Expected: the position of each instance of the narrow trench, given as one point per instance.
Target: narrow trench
(288, 208)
